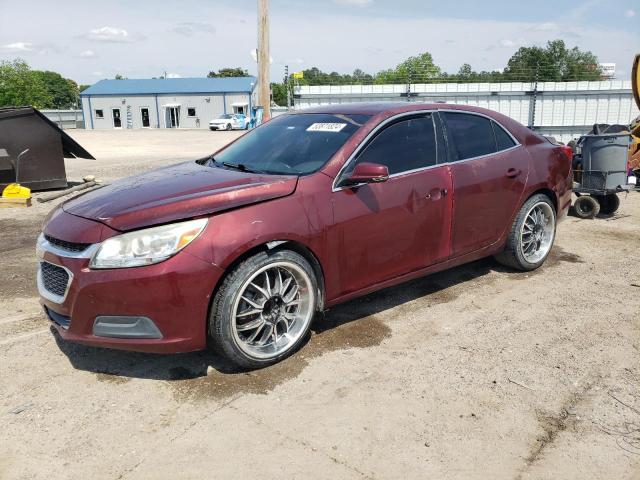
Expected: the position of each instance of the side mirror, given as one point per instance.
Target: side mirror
(367, 173)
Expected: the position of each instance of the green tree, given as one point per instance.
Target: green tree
(119, 77)
(279, 94)
(19, 85)
(229, 72)
(63, 92)
(553, 63)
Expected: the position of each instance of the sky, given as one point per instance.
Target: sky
(93, 39)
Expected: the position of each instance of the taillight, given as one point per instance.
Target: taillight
(568, 152)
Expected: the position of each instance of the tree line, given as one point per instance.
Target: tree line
(554, 62)
(20, 85)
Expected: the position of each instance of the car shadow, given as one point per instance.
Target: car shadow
(436, 289)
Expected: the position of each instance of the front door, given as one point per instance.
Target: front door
(387, 229)
(144, 113)
(172, 117)
(117, 121)
(489, 172)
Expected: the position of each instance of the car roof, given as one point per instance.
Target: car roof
(389, 108)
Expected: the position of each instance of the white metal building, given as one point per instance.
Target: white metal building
(165, 103)
(562, 109)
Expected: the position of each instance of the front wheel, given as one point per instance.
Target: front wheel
(228, 127)
(532, 235)
(263, 309)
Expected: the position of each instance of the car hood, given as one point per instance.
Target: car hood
(177, 192)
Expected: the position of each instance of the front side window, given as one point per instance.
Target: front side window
(99, 114)
(294, 144)
(469, 135)
(403, 146)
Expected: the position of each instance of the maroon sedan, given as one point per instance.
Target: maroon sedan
(240, 249)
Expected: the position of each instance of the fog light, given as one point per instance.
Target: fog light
(125, 327)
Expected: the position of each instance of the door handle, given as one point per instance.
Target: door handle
(513, 173)
(436, 194)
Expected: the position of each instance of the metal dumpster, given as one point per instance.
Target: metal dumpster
(42, 167)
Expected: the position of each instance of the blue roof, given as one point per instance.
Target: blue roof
(171, 85)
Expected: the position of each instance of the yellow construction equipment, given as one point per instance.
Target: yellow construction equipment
(14, 191)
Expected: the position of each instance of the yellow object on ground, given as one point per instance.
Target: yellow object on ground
(15, 190)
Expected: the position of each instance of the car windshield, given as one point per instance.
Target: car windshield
(295, 144)
(226, 115)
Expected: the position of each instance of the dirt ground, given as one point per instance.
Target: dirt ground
(477, 372)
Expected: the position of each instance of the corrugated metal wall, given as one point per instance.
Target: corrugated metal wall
(562, 109)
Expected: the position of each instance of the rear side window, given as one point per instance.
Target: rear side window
(503, 139)
(469, 135)
(403, 146)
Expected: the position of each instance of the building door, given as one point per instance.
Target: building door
(173, 117)
(144, 113)
(117, 121)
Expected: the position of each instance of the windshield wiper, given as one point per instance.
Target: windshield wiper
(240, 166)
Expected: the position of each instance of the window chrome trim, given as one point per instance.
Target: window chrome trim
(363, 143)
(44, 293)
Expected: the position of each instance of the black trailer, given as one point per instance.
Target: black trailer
(600, 173)
(42, 166)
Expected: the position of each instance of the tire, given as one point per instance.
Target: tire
(248, 308)
(586, 207)
(609, 204)
(532, 234)
(228, 127)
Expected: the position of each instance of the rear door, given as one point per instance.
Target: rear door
(489, 170)
(383, 230)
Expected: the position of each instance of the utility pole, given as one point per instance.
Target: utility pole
(264, 90)
(286, 84)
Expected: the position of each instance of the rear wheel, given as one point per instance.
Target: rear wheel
(586, 207)
(609, 204)
(532, 235)
(264, 308)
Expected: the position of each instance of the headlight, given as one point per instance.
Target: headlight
(145, 247)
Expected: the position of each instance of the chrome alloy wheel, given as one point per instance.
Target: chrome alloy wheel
(273, 309)
(537, 233)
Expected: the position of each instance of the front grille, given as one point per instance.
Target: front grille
(64, 245)
(54, 278)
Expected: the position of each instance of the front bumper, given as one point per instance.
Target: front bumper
(161, 308)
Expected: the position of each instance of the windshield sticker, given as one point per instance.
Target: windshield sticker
(326, 127)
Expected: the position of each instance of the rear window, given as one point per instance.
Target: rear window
(469, 135)
(503, 139)
(292, 144)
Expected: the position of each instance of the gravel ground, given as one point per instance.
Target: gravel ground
(477, 372)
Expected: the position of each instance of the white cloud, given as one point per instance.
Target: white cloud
(506, 42)
(18, 47)
(173, 75)
(190, 28)
(88, 54)
(97, 74)
(111, 35)
(547, 27)
(630, 13)
(356, 3)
